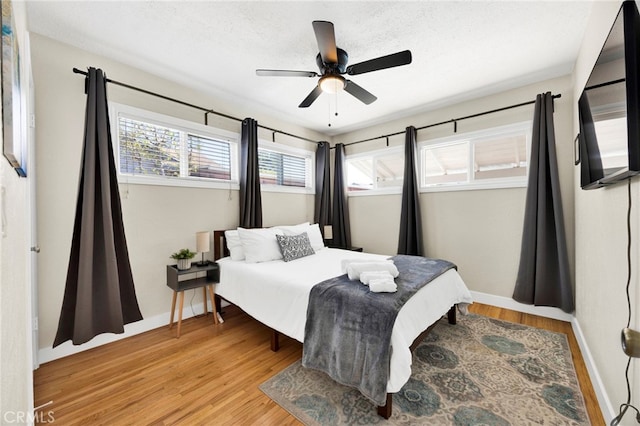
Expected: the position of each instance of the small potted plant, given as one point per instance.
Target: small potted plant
(183, 257)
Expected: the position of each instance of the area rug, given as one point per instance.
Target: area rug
(481, 371)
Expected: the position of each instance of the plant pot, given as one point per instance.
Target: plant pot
(184, 264)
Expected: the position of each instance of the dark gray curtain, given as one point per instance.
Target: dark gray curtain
(340, 220)
(322, 210)
(410, 241)
(250, 197)
(543, 275)
(99, 293)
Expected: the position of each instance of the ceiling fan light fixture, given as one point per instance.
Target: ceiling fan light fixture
(332, 83)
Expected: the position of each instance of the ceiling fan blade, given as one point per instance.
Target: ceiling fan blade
(311, 97)
(383, 62)
(357, 91)
(285, 73)
(326, 41)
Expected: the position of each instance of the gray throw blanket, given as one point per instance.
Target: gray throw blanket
(348, 329)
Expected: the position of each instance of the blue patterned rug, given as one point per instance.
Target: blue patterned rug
(481, 371)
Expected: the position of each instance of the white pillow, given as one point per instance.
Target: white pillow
(234, 245)
(260, 244)
(315, 237)
(313, 231)
(292, 230)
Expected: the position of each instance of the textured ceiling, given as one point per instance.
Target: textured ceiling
(461, 50)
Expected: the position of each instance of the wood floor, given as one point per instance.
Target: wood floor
(208, 376)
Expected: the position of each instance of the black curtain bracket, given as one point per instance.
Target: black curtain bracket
(453, 120)
(206, 111)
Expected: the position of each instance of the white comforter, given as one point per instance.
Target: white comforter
(276, 293)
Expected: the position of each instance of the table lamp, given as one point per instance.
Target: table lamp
(328, 232)
(203, 245)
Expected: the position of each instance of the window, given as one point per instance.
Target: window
(285, 169)
(492, 158)
(157, 149)
(376, 172)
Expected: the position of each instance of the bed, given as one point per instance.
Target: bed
(276, 293)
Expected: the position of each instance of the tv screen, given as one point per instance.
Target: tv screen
(609, 108)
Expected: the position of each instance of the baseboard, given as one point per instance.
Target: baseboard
(67, 348)
(544, 311)
(508, 303)
(608, 412)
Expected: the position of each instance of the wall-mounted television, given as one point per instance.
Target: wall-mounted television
(609, 107)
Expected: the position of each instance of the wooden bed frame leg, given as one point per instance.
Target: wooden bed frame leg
(275, 341)
(452, 315)
(385, 410)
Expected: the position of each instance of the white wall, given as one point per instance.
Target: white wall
(16, 388)
(158, 219)
(479, 230)
(601, 244)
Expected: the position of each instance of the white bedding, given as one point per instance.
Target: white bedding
(276, 293)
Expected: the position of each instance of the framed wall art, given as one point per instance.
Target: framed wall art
(13, 146)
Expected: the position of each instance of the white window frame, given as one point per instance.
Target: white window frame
(473, 137)
(117, 110)
(374, 154)
(310, 165)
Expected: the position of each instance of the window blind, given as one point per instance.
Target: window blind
(277, 168)
(151, 149)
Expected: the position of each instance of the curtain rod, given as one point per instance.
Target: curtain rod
(206, 111)
(453, 120)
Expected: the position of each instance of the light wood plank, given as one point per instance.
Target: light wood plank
(208, 376)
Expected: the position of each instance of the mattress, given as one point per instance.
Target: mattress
(276, 293)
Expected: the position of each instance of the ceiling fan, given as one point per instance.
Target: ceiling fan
(332, 63)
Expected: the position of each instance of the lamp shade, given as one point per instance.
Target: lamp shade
(328, 232)
(203, 242)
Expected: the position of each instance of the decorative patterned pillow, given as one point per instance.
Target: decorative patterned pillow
(294, 246)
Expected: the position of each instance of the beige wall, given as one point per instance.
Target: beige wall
(479, 230)
(16, 389)
(601, 244)
(158, 219)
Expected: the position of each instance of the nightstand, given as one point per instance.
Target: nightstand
(329, 243)
(353, 248)
(203, 276)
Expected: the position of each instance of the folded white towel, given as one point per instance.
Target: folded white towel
(383, 285)
(355, 269)
(367, 276)
(344, 263)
